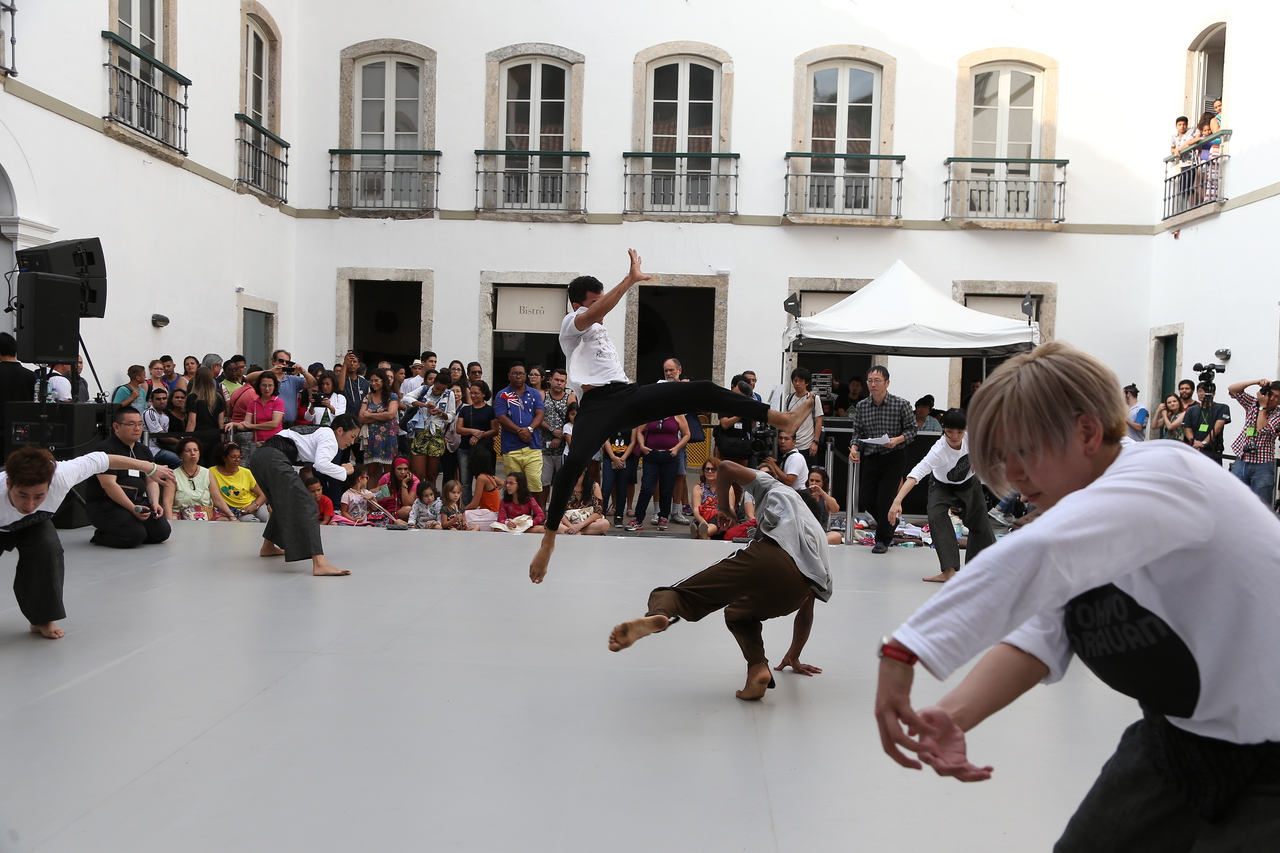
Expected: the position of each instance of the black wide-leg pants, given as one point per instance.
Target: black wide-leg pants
(606, 409)
(295, 521)
(38, 582)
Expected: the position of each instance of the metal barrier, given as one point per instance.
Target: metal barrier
(531, 181)
(146, 101)
(994, 188)
(263, 158)
(383, 179)
(863, 185)
(656, 182)
(1189, 184)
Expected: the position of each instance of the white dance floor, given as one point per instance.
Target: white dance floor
(205, 699)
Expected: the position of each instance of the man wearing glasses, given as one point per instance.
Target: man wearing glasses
(291, 379)
(885, 424)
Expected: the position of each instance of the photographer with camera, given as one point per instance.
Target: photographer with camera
(1255, 447)
(792, 469)
(293, 379)
(324, 405)
(1204, 429)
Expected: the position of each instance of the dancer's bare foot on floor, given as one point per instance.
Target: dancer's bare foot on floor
(538, 568)
(270, 549)
(627, 633)
(320, 567)
(946, 575)
(758, 678)
(48, 629)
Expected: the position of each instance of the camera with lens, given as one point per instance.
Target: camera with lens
(318, 398)
(764, 440)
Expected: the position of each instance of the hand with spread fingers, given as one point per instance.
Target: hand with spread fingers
(944, 750)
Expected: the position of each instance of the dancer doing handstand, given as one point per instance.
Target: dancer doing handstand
(294, 522)
(609, 402)
(1163, 600)
(782, 570)
(32, 488)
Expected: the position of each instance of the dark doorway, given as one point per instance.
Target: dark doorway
(386, 321)
(529, 348)
(843, 368)
(675, 322)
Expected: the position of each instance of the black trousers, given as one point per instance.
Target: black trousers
(881, 478)
(119, 528)
(295, 522)
(38, 582)
(969, 499)
(607, 409)
(1133, 808)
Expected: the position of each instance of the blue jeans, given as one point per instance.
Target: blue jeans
(658, 464)
(167, 458)
(615, 482)
(1258, 476)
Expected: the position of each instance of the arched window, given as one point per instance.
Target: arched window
(535, 118)
(1206, 66)
(844, 118)
(257, 71)
(683, 115)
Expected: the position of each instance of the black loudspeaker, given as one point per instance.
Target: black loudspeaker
(78, 259)
(74, 428)
(48, 319)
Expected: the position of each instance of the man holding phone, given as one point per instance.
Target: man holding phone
(127, 508)
(292, 380)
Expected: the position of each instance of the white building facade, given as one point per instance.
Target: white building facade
(999, 150)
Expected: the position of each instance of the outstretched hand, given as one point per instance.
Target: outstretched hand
(635, 273)
(944, 750)
(893, 709)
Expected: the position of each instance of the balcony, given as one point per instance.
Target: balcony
(862, 185)
(143, 94)
(263, 159)
(680, 185)
(383, 180)
(9, 61)
(990, 188)
(1196, 182)
(531, 181)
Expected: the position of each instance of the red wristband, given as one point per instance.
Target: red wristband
(895, 653)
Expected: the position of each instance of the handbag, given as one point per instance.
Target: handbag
(452, 441)
(577, 516)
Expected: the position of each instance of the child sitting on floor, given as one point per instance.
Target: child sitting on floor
(325, 505)
(517, 505)
(357, 499)
(452, 512)
(425, 514)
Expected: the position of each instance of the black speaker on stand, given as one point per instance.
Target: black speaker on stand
(48, 318)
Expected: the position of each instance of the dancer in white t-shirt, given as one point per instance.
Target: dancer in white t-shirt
(1164, 601)
(609, 402)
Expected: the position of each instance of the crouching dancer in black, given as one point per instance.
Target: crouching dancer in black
(781, 571)
(32, 488)
(294, 527)
(609, 402)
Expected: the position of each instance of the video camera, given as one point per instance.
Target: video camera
(764, 441)
(1206, 373)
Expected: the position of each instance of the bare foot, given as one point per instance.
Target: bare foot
(269, 549)
(796, 418)
(320, 567)
(538, 568)
(759, 678)
(627, 633)
(947, 574)
(48, 629)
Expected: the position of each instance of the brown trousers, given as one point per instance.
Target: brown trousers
(758, 582)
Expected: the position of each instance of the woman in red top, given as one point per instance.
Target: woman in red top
(264, 414)
(658, 443)
(402, 485)
(517, 501)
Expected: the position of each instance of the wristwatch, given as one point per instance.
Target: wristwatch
(895, 653)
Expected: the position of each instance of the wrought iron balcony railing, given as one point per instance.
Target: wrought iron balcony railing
(844, 184)
(8, 11)
(1195, 179)
(1030, 189)
(383, 179)
(263, 158)
(143, 93)
(700, 184)
(554, 181)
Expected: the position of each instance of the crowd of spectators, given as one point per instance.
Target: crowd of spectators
(431, 438)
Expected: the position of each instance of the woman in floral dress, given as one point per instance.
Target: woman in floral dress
(378, 412)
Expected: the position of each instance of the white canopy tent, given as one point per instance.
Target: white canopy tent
(899, 313)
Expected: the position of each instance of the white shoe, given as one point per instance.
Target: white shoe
(998, 517)
(678, 517)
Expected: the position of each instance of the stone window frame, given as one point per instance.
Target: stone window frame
(1045, 291)
(1190, 98)
(169, 56)
(244, 302)
(720, 315)
(800, 114)
(646, 59)
(255, 12)
(494, 62)
(343, 301)
(1047, 67)
(490, 280)
(168, 28)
